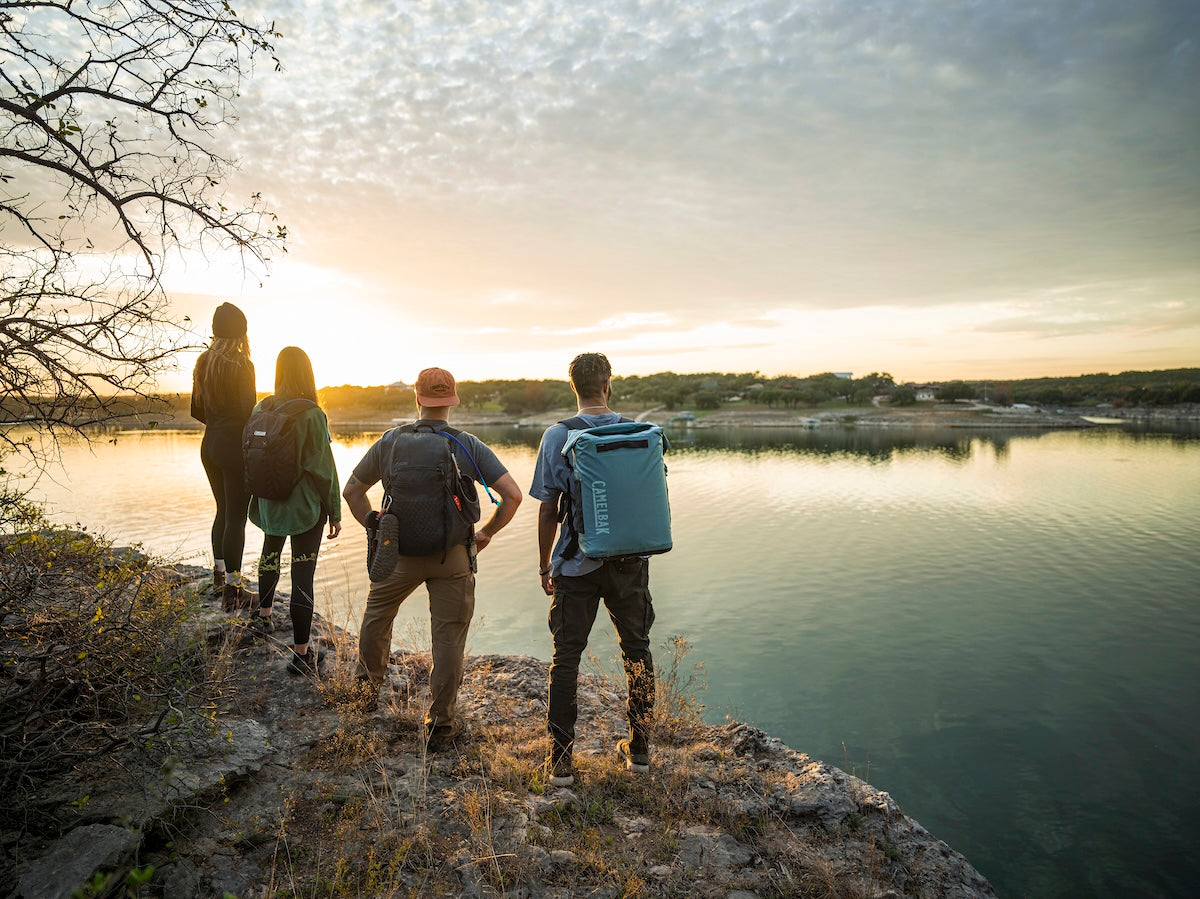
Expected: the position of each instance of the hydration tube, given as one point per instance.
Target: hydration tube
(475, 465)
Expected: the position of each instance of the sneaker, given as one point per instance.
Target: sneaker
(562, 771)
(307, 664)
(637, 761)
(254, 628)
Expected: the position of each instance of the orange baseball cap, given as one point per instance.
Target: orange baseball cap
(435, 387)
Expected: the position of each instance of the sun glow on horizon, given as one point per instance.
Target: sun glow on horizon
(355, 333)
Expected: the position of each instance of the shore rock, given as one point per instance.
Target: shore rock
(298, 784)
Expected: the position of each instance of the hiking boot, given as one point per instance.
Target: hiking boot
(562, 770)
(441, 739)
(308, 664)
(387, 547)
(261, 625)
(235, 597)
(636, 759)
(216, 585)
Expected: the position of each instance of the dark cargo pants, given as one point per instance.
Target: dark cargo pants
(624, 587)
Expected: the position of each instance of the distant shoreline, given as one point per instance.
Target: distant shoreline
(943, 415)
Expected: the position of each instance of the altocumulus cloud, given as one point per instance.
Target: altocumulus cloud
(725, 159)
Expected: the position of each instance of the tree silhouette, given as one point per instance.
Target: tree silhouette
(110, 113)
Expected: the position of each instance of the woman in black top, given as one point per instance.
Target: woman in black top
(222, 397)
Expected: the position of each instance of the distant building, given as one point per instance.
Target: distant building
(844, 375)
(926, 393)
(398, 387)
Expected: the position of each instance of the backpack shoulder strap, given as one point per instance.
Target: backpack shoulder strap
(284, 406)
(579, 423)
(566, 499)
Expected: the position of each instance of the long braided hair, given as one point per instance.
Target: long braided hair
(219, 366)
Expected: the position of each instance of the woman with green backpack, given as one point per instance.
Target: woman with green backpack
(301, 514)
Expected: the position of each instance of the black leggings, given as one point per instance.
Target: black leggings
(221, 455)
(304, 568)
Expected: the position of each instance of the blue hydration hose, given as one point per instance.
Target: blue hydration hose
(475, 465)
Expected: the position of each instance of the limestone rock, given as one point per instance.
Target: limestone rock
(285, 747)
(70, 862)
(558, 800)
(179, 880)
(706, 845)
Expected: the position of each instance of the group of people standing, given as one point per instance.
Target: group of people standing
(224, 398)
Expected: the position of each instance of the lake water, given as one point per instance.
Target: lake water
(1000, 630)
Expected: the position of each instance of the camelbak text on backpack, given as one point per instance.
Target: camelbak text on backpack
(618, 503)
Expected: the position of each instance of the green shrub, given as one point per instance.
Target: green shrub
(99, 652)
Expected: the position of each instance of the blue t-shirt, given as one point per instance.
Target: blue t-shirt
(552, 478)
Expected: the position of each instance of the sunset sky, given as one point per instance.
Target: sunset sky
(927, 187)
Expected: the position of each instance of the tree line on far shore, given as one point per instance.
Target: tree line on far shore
(713, 390)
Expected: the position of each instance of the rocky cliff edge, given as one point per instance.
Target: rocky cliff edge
(298, 787)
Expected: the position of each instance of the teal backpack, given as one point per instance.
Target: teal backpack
(617, 505)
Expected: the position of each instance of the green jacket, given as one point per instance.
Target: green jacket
(318, 488)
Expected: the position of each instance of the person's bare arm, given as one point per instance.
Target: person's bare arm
(510, 498)
(547, 530)
(355, 495)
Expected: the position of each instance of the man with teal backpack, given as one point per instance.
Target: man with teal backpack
(602, 477)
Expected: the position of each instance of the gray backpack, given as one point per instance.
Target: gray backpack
(435, 505)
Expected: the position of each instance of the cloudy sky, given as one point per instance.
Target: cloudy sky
(934, 188)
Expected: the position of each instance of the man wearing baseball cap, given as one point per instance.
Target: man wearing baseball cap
(448, 572)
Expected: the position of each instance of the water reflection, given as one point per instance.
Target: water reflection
(1003, 624)
(874, 444)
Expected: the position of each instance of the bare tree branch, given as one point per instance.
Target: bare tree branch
(110, 118)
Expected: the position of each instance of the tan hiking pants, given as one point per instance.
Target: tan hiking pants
(451, 604)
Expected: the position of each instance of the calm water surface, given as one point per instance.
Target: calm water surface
(1001, 631)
